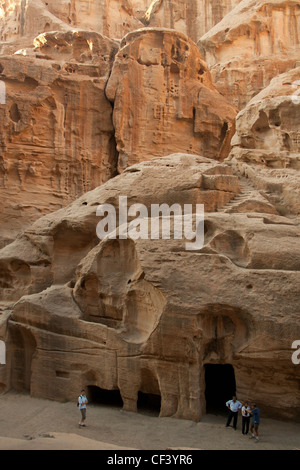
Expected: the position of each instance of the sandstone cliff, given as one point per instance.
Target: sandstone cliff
(123, 314)
(102, 99)
(26, 19)
(161, 90)
(57, 137)
(266, 147)
(74, 116)
(193, 18)
(252, 44)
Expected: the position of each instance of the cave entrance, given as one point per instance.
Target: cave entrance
(100, 396)
(220, 386)
(24, 347)
(149, 403)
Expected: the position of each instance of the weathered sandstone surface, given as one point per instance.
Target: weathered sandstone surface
(164, 100)
(22, 20)
(57, 136)
(144, 315)
(215, 187)
(266, 146)
(252, 44)
(68, 125)
(103, 99)
(193, 18)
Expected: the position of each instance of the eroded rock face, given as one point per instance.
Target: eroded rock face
(57, 137)
(26, 20)
(48, 259)
(113, 18)
(252, 44)
(145, 315)
(21, 21)
(266, 146)
(193, 18)
(111, 290)
(162, 90)
(149, 315)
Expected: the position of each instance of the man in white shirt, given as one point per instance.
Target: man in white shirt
(234, 406)
(82, 402)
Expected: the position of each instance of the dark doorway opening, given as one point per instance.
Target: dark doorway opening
(220, 386)
(101, 396)
(149, 403)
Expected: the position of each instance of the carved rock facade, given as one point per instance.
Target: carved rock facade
(91, 94)
(143, 316)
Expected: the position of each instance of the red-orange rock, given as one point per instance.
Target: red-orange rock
(57, 137)
(164, 100)
(147, 315)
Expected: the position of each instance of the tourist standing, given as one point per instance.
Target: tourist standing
(245, 418)
(234, 406)
(255, 421)
(82, 402)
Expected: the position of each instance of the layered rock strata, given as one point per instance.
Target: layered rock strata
(149, 315)
(69, 126)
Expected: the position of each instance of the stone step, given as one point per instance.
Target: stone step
(246, 191)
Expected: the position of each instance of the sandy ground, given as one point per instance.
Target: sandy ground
(28, 423)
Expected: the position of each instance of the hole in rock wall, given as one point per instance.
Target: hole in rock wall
(287, 143)
(70, 245)
(62, 374)
(24, 347)
(101, 396)
(274, 117)
(224, 131)
(14, 113)
(262, 123)
(232, 245)
(149, 397)
(149, 403)
(220, 386)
